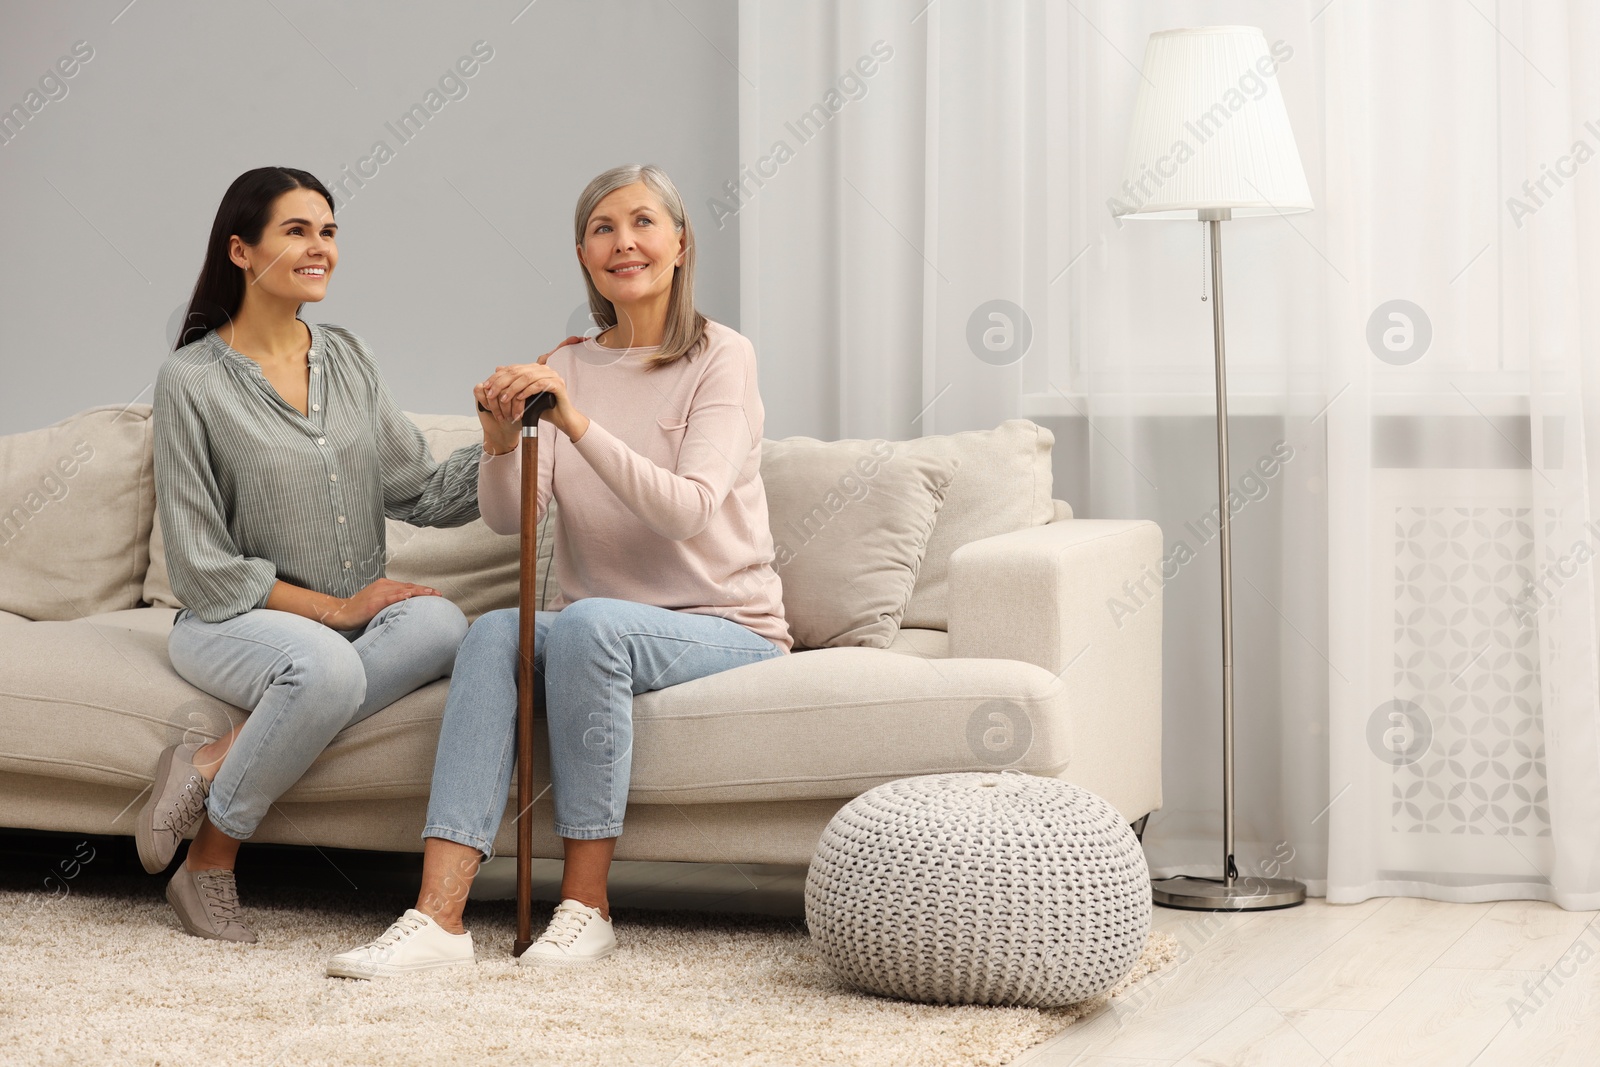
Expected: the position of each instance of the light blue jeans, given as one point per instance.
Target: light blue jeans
(302, 683)
(590, 659)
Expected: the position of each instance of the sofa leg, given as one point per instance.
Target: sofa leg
(1138, 826)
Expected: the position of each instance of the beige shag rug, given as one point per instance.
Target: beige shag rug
(104, 975)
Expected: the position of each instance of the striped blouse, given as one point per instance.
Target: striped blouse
(250, 491)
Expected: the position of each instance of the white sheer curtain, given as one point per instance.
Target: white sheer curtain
(901, 200)
(1414, 579)
(1462, 592)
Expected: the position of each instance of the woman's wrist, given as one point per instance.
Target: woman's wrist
(308, 603)
(497, 448)
(333, 612)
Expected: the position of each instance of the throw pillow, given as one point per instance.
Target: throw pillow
(850, 522)
(76, 502)
(1003, 486)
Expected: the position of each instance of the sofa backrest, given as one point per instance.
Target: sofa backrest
(76, 502)
(1002, 484)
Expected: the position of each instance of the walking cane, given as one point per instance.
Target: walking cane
(525, 681)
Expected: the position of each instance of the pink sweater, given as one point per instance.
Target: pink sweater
(661, 498)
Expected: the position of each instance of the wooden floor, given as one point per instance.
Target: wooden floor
(1393, 980)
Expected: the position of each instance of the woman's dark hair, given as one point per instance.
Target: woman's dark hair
(245, 210)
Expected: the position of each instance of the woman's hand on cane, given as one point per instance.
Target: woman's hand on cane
(501, 395)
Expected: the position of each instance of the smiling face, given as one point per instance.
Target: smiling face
(630, 247)
(296, 254)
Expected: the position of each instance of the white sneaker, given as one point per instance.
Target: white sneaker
(414, 943)
(577, 935)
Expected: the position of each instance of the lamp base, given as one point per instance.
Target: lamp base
(1210, 894)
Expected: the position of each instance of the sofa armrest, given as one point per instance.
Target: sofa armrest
(1082, 599)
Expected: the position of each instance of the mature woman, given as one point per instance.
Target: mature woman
(663, 557)
(278, 453)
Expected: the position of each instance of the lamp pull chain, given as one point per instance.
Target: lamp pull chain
(1205, 264)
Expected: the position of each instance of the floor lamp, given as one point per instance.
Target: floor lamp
(1211, 142)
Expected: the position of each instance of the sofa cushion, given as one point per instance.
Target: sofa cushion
(850, 521)
(96, 700)
(834, 722)
(1003, 485)
(76, 501)
(6, 618)
(471, 565)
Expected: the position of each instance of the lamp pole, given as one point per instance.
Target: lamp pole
(1228, 893)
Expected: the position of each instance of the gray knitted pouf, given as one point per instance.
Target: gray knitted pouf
(1001, 888)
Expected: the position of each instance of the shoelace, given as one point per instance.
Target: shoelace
(398, 931)
(222, 895)
(565, 926)
(189, 804)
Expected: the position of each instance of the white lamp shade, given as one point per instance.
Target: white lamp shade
(1210, 129)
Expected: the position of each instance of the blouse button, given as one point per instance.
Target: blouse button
(316, 370)
(322, 440)
(333, 477)
(346, 564)
(341, 518)
(316, 407)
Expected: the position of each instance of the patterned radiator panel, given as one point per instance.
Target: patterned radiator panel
(1467, 656)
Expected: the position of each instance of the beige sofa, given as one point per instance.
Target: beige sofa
(1005, 655)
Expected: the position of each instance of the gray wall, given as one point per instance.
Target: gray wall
(456, 256)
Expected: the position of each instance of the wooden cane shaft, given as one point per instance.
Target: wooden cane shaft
(525, 691)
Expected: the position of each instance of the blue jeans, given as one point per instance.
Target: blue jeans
(302, 683)
(590, 659)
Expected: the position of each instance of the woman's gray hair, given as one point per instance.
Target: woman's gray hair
(685, 326)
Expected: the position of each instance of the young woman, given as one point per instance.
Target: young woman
(278, 453)
(663, 556)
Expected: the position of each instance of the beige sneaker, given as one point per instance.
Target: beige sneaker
(576, 936)
(177, 801)
(414, 942)
(207, 903)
